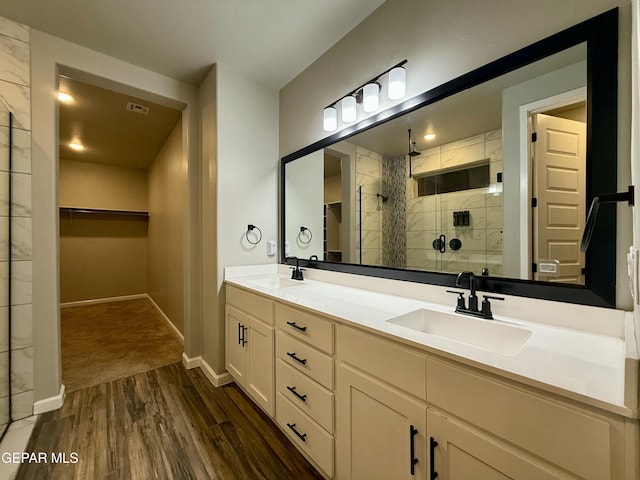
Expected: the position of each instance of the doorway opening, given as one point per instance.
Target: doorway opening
(122, 187)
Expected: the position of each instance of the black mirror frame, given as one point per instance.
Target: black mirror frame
(601, 35)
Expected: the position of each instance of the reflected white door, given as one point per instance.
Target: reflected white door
(559, 181)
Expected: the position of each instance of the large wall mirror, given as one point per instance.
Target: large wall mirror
(491, 172)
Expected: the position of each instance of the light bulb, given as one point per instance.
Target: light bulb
(371, 97)
(397, 82)
(330, 119)
(349, 112)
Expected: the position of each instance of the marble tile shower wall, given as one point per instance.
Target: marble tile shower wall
(431, 216)
(15, 96)
(369, 177)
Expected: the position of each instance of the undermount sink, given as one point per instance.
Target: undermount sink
(275, 282)
(489, 335)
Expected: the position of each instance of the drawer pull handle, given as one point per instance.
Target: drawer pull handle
(303, 361)
(293, 390)
(301, 436)
(432, 463)
(413, 431)
(297, 327)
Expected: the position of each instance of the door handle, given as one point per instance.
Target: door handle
(412, 449)
(432, 461)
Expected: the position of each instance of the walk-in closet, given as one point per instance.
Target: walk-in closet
(122, 202)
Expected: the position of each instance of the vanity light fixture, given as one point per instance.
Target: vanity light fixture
(367, 94)
(78, 147)
(430, 136)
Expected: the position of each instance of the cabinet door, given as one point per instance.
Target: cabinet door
(462, 453)
(375, 430)
(259, 380)
(235, 358)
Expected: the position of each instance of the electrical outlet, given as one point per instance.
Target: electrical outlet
(272, 248)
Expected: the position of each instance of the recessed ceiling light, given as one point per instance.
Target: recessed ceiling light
(76, 146)
(429, 136)
(65, 97)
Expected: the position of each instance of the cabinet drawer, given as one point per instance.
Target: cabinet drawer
(310, 437)
(254, 305)
(567, 437)
(305, 358)
(305, 326)
(392, 363)
(306, 394)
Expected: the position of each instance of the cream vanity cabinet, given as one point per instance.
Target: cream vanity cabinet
(405, 414)
(305, 383)
(249, 344)
(481, 426)
(381, 409)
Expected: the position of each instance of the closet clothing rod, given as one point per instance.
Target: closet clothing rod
(133, 213)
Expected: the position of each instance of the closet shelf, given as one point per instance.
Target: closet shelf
(132, 213)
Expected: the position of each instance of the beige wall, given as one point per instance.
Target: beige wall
(167, 207)
(91, 185)
(102, 256)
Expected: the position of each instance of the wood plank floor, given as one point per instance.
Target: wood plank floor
(168, 423)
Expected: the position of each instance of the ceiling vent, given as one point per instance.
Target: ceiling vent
(134, 107)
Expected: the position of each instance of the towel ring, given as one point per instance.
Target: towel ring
(250, 228)
(307, 234)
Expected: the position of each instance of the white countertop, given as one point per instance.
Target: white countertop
(559, 359)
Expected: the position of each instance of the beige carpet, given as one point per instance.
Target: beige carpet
(107, 341)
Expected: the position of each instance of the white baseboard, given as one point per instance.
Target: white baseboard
(218, 380)
(190, 363)
(49, 404)
(166, 319)
(103, 300)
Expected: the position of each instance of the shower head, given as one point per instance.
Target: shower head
(412, 147)
(384, 198)
(412, 152)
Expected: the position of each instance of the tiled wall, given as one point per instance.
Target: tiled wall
(431, 216)
(15, 95)
(394, 215)
(369, 176)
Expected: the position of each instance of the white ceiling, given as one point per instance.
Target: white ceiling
(271, 41)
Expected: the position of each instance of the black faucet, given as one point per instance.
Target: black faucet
(472, 309)
(296, 273)
(473, 298)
